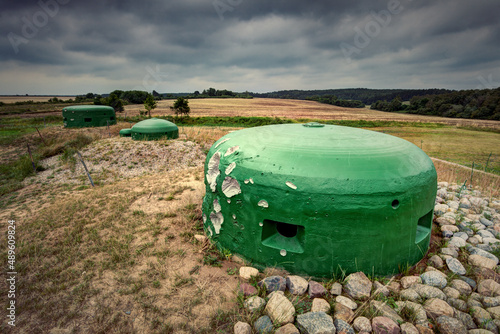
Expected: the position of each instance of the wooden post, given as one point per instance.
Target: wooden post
(31, 157)
(41, 136)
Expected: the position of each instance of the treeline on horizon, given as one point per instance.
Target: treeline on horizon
(365, 95)
(474, 104)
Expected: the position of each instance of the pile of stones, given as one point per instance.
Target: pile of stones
(455, 290)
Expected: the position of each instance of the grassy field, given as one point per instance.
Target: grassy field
(122, 257)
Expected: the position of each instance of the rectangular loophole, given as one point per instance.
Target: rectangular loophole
(424, 227)
(279, 235)
(87, 119)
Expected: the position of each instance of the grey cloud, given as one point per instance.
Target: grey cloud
(262, 41)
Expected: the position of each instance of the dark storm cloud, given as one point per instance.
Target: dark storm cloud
(315, 44)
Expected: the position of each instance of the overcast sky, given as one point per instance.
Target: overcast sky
(76, 47)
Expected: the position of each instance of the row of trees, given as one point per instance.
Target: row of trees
(119, 98)
(365, 95)
(216, 93)
(334, 100)
(477, 104)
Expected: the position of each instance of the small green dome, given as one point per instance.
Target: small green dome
(154, 128)
(125, 132)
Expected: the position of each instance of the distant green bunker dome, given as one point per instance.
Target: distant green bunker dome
(125, 132)
(88, 116)
(320, 199)
(153, 129)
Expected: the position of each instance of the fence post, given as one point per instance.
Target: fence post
(471, 174)
(31, 157)
(86, 170)
(43, 140)
(487, 162)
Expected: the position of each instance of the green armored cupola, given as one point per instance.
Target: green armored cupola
(154, 128)
(88, 116)
(320, 199)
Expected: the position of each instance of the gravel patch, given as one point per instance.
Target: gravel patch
(113, 159)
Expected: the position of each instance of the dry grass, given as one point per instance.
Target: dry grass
(296, 109)
(488, 183)
(14, 99)
(264, 107)
(118, 259)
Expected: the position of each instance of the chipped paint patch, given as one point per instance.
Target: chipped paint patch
(210, 232)
(283, 252)
(231, 150)
(204, 218)
(263, 203)
(291, 185)
(213, 171)
(217, 219)
(217, 207)
(230, 168)
(228, 201)
(222, 142)
(234, 217)
(251, 180)
(261, 224)
(230, 187)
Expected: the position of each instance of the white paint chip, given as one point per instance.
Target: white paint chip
(228, 201)
(283, 252)
(234, 217)
(231, 150)
(263, 203)
(261, 224)
(204, 218)
(217, 207)
(251, 180)
(291, 185)
(222, 142)
(213, 171)
(230, 187)
(210, 232)
(217, 219)
(230, 168)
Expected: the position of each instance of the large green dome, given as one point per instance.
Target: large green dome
(316, 199)
(154, 128)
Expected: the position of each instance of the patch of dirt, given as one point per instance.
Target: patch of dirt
(109, 160)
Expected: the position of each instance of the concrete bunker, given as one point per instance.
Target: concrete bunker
(320, 199)
(126, 133)
(154, 129)
(88, 116)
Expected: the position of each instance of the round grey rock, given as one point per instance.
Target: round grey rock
(455, 266)
(263, 325)
(343, 327)
(358, 286)
(449, 325)
(434, 278)
(254, 303)
(315, 322)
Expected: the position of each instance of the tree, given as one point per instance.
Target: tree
(149, 104)
(181, 106)
(114, 101)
